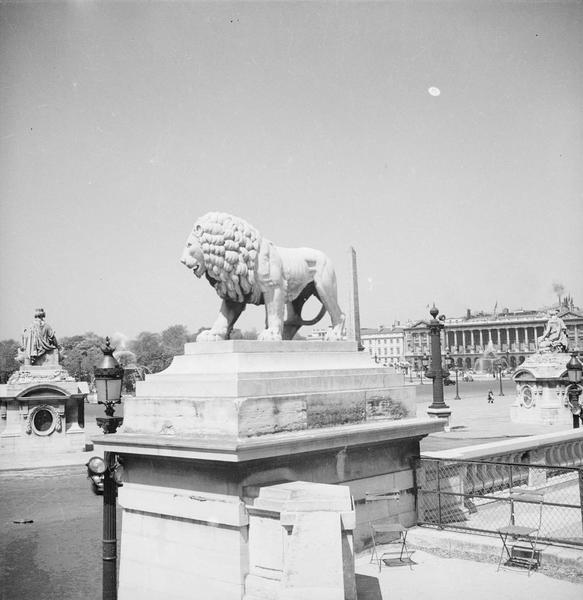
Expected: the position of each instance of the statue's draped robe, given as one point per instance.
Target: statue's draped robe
(555, 333)
(38, 339)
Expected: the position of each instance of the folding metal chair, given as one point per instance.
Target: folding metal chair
(384, 533)
(519, 541)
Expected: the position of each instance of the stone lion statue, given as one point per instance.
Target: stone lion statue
(245, 268)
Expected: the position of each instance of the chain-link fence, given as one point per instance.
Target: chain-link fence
(475, 495)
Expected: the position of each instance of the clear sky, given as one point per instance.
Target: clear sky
(121, 123)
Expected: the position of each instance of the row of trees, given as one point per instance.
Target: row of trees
(149, 352)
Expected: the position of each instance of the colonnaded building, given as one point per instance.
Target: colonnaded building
(509, 335)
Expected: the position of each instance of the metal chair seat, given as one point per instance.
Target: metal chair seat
(399, 536)
(516, 530)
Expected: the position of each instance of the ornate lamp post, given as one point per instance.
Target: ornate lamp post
(501, 393)
(450, 363)
(108, 381)
(438, 408)
(457, 389)
(574, 374)
(424, 363)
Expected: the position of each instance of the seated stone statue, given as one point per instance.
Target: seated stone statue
(37, 340)
(554, 337)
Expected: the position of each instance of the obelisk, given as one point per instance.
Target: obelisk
(354, 307)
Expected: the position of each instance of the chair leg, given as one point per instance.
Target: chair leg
(502, 552)
(374, 555)
(407, 553)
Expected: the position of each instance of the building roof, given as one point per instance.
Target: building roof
(380, 330)
(504, 318)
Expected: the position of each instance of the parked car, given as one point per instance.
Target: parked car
(448, 381)
(468, 377)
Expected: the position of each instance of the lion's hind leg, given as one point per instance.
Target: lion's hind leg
(325, 281)
(292, 323)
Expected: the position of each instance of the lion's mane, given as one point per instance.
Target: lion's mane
(230, 247)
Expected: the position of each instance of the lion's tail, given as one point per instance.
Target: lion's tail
(317, 318)
(307, 292)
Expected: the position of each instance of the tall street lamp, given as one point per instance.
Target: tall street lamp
(108, 382)
(457, 389)
(499, 362)
(438, 408)
(574, 374)
(450, 363)
(424, 363)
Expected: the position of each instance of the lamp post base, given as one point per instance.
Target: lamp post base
(441, 413)
(109, 424)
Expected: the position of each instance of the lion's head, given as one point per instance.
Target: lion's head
(224, 248)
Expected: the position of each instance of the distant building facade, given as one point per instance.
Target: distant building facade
(317, 335)
(385, 345)
(509, 335)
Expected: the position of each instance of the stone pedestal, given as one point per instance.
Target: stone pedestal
(42, 410)
(201, 439)
(442, 414)
(541, 390)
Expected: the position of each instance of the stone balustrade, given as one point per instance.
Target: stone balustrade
(524, 461)
(563, 448)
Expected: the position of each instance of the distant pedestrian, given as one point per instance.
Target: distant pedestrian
(490, 397)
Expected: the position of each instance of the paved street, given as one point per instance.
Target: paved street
(58, 555)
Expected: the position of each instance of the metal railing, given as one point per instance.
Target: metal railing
(475, 496)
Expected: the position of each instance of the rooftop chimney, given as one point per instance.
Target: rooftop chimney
(468, 314)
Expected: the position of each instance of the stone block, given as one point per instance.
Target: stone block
(301, 543)
(313, 565)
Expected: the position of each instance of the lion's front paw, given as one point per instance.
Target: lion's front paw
(269, 335)
(335, 334)
(209, 336)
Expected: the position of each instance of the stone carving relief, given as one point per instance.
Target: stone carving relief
(43, 420)
(25, 376)
(245, 268)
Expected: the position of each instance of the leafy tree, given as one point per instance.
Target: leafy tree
(173, 340)
(81, 353)
(8, 362)
(149, 351)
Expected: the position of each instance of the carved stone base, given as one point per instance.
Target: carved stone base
(442, 414)
(541, 390)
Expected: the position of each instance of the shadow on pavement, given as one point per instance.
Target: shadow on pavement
(368, 588)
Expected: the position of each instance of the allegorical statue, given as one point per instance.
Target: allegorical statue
(37, 340)
(554, 337)
(245, 268)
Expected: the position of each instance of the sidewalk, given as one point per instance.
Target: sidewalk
(435, 577)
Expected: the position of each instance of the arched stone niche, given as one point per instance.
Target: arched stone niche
(43, 416)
